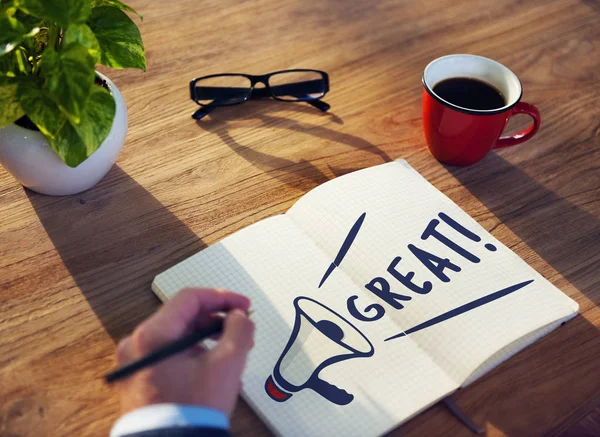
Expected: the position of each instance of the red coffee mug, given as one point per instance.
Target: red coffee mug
(462, 136)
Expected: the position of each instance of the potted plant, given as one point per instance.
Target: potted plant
(62, 123)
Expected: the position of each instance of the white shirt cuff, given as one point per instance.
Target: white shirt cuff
(168, 416)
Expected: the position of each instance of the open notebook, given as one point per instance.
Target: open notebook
(374, 297)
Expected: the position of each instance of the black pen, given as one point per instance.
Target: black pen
(166, 351)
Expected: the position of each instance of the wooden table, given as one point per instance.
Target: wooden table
(75, 272)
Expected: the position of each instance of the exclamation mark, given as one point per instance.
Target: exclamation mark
(467, 233)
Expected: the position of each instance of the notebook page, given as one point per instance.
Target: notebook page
(278, 267)
(483, 297)
(510, 350)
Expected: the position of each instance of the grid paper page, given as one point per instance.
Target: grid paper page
(273, 262)
(399, 205)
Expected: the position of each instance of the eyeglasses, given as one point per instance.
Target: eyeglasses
(233, 89)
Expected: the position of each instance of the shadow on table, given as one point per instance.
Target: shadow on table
(301, 174)
(559, 231)
(113, 239)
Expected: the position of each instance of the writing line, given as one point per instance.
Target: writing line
(345, 247)
(463, 309)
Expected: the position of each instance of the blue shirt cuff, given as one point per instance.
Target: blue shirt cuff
(168, 416)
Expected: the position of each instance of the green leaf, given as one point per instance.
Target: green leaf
(29, 21)
(62, 12)
(10, 108)
(13, 31)
(15, 63)
(75, 143)
(82, 34)
(115, 4)
(7, 6)
(41, 109)
(69, 77)
(119, 38)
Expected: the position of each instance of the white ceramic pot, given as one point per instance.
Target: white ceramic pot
(28, 157)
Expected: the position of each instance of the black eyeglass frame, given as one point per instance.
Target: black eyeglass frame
(257, 93)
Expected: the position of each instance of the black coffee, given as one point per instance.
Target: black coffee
(470, 93)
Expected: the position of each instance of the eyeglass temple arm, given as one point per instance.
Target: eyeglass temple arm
(258, 93)
(295, 90)
(300, 89)
(319, 104)
(202, 112)
(205, 110)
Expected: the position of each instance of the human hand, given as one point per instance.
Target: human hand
(197, 376)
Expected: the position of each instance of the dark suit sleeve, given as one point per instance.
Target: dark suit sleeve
(182, 432)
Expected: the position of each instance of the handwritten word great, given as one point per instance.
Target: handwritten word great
(387, 289)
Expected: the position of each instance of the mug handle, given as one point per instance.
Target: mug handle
(524, 135)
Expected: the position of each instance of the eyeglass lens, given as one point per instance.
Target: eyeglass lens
(297, 85)
(222, 90)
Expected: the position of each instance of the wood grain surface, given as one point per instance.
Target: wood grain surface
(75, 272)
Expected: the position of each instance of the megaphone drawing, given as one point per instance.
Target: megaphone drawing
(320, 337)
